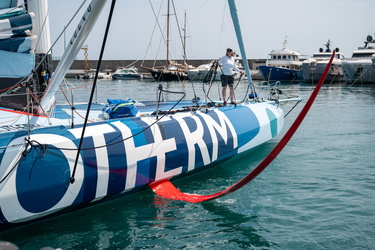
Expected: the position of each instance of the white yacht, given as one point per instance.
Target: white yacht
(360, 68)
(198, 73)
(130, 72)
(313, 68)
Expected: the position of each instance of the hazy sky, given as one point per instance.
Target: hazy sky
(308, 24)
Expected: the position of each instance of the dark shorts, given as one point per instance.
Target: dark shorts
(227, 80)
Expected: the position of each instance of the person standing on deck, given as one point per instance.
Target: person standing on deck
(228, 65)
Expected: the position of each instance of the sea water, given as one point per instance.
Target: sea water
(319, 193)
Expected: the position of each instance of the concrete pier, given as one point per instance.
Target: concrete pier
(77, 67)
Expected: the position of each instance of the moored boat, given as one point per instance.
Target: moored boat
(198, 73)
(126, 73)
(360, 68)
(312, 69)
(282, 65)
(90, 74)
(172, 71)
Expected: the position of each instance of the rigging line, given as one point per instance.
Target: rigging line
(157, 22)
(127, 138)
(360, 76)
(17, 117)
(165, 188)
(93, 88)
(62, 32)
(246, 93)
(179, 30)
(11, 9)
(71, 105)
(222, 25)
(11, 170)
(239, 79)
(295, 105)
(50, 49)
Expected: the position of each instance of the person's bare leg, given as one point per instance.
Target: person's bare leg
(224, 93)
(231, 93)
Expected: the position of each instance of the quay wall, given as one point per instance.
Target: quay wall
(114, 64)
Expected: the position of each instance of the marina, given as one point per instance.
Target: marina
(122, 146)
(225, 152)
(319, 192)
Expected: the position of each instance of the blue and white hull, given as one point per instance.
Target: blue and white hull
(120, 156)
(271, 73)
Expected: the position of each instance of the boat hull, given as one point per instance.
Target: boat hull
(313, 73)
(125, 76)
(359, 72)
(168, 75)
(120, 156)
(270, 73)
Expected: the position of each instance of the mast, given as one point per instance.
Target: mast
(41, 26)
(83, 30)
(236, 23)
(168, 31)
(185, 39)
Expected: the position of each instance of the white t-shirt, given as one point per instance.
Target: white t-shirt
(228, 65)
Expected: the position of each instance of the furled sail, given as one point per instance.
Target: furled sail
(22, 68)
(14, 26)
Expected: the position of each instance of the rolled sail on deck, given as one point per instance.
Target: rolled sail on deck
(22, 64)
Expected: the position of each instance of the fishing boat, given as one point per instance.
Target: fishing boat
(59, 158)
(126, 73)
(312, 68)
(360, 68)
(282, 65)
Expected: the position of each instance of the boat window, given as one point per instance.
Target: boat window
(284, 56)
(278, 57)
(363, 55)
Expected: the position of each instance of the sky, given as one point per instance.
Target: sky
(307, 25)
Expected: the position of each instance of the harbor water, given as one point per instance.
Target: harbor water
(319, 193)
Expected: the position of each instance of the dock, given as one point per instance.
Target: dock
(77, 67)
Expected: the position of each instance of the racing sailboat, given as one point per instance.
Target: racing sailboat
(52, 161)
